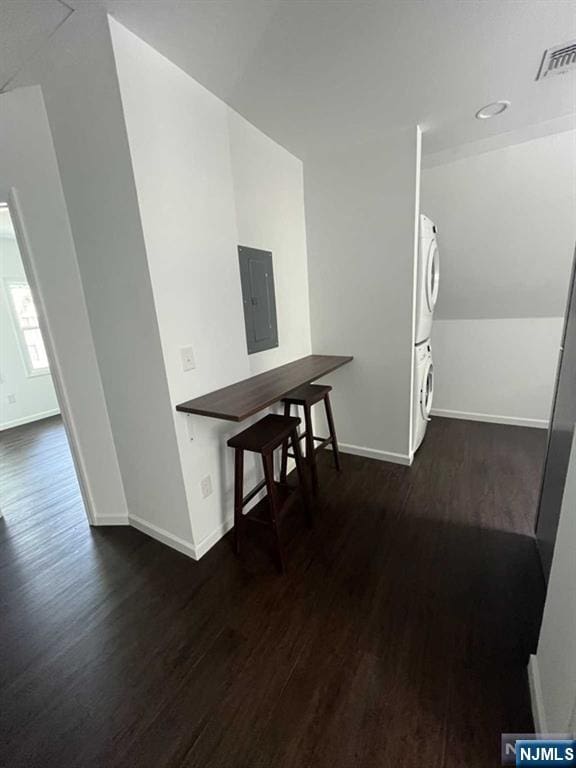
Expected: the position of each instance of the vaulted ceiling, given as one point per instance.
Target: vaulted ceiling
(316, 73)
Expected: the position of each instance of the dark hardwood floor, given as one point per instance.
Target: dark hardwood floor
(399, 636)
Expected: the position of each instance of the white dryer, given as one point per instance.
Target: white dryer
(428, 278)
(423, 392)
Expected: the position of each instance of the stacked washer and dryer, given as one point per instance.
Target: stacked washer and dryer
(428, 279)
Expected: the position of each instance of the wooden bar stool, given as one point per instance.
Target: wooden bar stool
(264, 437)
(307, 396)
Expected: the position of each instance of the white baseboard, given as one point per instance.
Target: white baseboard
(538, 711)
(491, 418)
(373, 453)
(186, 547)
(212, 538)
(110, 520)
(163, 536)
(29, 419)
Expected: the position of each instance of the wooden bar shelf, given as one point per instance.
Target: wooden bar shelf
(245, 398)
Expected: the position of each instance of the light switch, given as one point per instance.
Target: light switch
(187, 357)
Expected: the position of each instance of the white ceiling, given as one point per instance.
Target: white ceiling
(317, 73)
(24, 27)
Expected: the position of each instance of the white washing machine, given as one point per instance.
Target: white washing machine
(423, 392)
(428, 278)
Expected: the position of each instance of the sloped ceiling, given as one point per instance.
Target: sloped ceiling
(507, 229)
(314, 73)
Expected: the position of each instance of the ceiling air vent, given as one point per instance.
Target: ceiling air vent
(557, 60)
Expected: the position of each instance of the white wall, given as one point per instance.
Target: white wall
(506, 235)
(77, 73)
(360, 213)
(269, 197)
(206, 182)
(496, 370)
(34, 396)
(553, 669)
(28, 163)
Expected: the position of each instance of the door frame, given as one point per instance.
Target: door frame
(570, 301)
(26, 254)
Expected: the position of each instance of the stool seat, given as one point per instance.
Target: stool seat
(307, 394)
(266, 435)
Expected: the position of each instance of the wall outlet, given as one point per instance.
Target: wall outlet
(187, 357)
(11, 399)
(206, 486)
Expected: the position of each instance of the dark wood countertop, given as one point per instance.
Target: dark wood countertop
(245, 398)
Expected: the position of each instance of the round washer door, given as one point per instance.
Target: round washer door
(432, 275)
(427, 391)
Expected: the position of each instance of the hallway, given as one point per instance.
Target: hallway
(398, 638)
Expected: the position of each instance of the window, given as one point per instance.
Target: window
(26, 321)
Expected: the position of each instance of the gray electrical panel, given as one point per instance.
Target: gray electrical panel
(257, 278)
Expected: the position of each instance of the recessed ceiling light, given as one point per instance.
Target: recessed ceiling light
(491, 110)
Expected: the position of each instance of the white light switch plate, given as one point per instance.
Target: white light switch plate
(187, 357)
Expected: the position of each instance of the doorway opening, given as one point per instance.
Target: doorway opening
(38, 482)
(500, 333)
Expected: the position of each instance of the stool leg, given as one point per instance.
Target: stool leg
(310, 450)
(268, 462)
(238, 495)
(302, 478)
(330, 420)
(284, 464)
